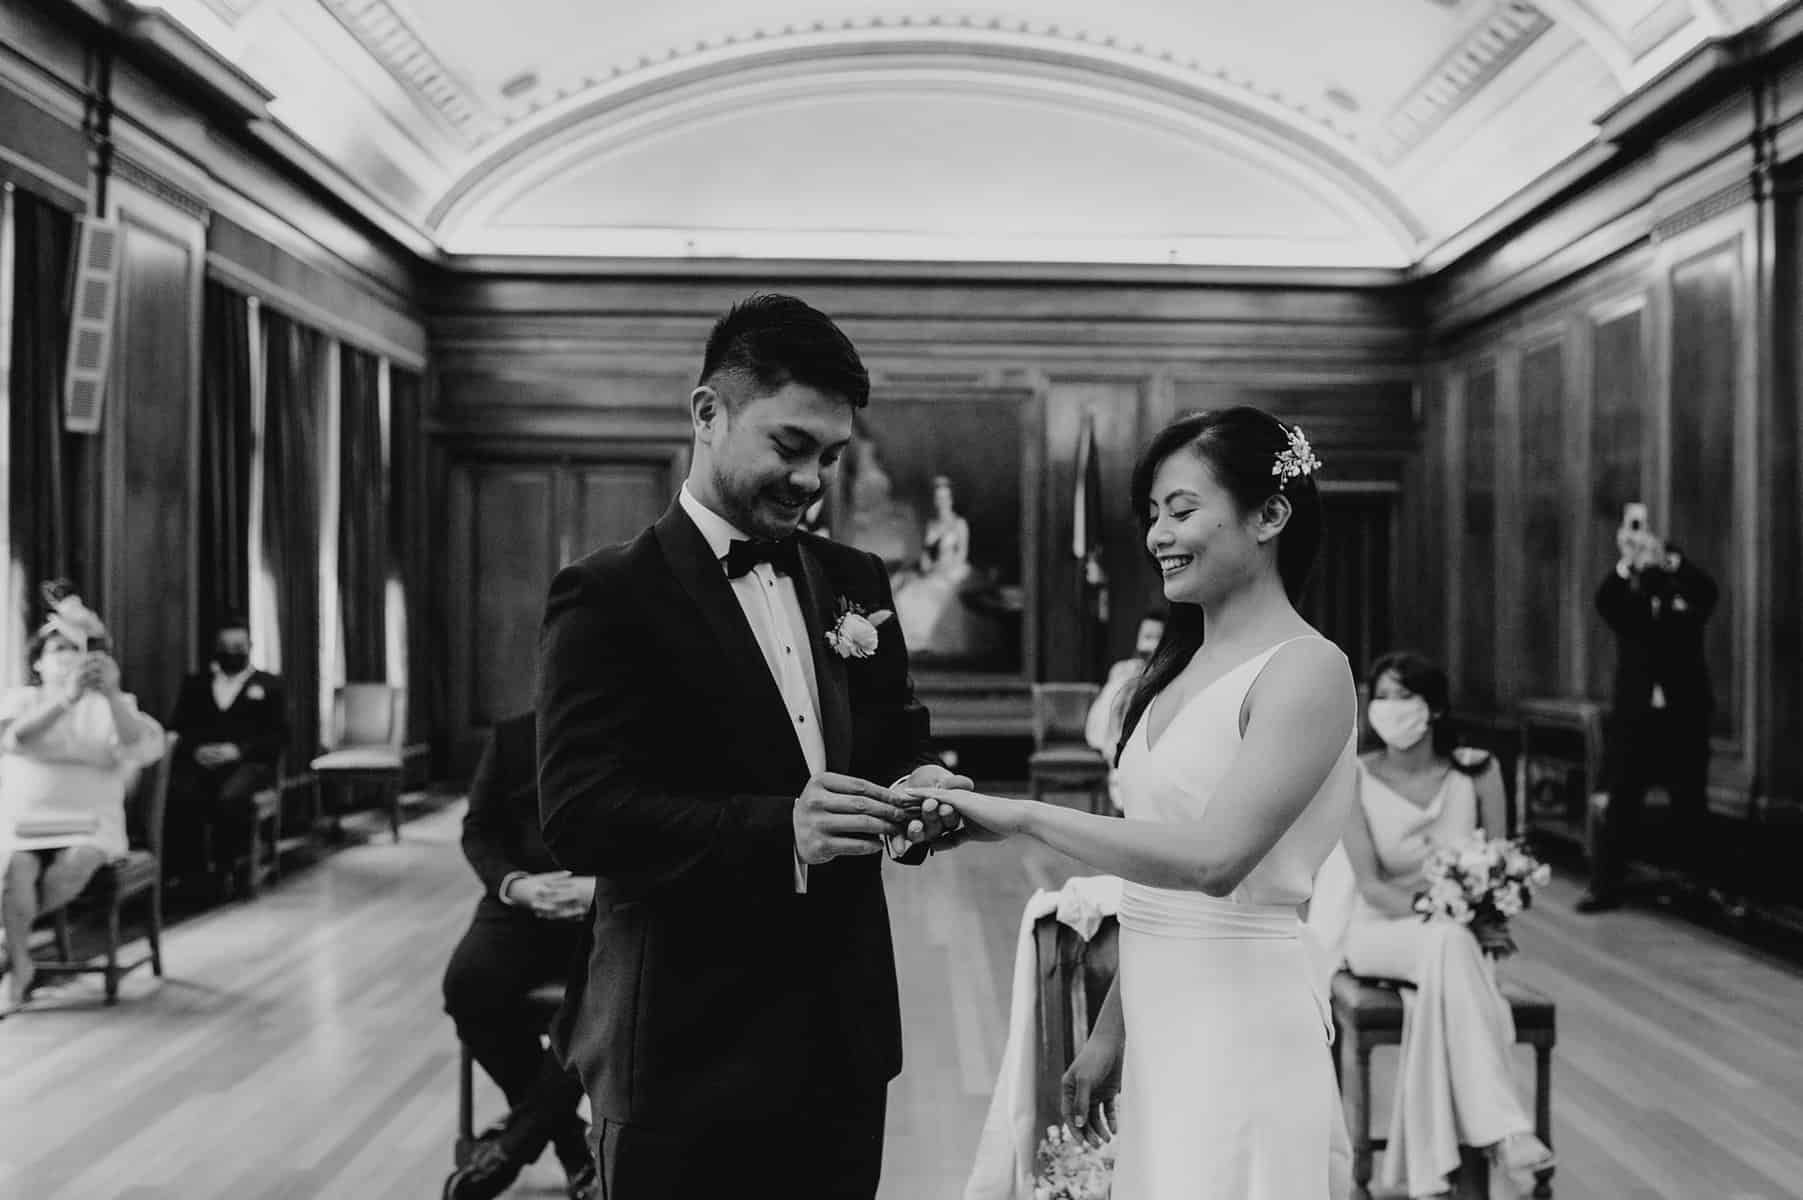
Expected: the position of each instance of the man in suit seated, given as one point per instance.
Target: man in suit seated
(527, 932)
(233, 721)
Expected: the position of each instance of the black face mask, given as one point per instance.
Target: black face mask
(231, 661)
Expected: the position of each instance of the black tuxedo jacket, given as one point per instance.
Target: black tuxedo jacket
(257, 720)
(668, 769)
(500, 827)
(1658, 619)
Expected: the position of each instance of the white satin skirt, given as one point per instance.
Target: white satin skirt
(1227, 1090)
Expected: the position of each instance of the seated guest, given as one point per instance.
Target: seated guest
(233, 720)
(1454, 1085)
(1102, 729)
(527, 932)
(70, 745)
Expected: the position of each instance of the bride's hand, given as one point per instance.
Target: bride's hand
(975, 816)
(1090, 1087)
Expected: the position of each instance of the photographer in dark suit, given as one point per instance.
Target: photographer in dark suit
(233, 721)
(526, 933)
(1657, 601)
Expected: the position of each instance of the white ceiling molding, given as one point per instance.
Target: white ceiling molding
(388, 38)
(1489, 48)
(674, 145)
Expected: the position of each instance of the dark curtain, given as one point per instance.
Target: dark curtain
(45, 519)
(362, 520)
(294, 363)
(226, 446)
(408, 560)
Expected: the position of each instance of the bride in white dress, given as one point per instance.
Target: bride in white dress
(1237, 773)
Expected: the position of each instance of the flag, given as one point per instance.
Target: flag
(1086, 547)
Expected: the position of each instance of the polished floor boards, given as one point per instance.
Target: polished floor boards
(297, 1048)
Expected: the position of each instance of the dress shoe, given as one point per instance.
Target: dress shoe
(490, 1171)
(1596, 902)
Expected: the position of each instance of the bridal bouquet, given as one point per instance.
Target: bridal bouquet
(1481, 882)
(1071, 1169)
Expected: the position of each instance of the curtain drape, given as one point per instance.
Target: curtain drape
(409, 559)
(294, 362)
(44, 515)
(226, 446)
(362, 519)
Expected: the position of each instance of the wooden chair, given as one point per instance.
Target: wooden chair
(367, 744)
(543, 1002)
(1369, 1013)
(1061, 759)
(138, 874)
(1074, 977)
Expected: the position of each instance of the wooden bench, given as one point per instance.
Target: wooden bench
(1368, 1013)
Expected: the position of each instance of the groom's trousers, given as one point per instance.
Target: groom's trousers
(831, 1149)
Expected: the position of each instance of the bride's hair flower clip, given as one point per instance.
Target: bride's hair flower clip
(1297, 461)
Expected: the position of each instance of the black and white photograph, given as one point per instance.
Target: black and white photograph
(1174, 600)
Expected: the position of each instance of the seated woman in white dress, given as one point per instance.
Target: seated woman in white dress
(1236, 768)
(69, 744)
(1454, 1085)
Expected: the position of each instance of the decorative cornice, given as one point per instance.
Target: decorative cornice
(1736, 195)
(145, 179)
(878, 29)
(1462, 71)
(401, 52)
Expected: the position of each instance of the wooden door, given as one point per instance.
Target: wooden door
(513, 522)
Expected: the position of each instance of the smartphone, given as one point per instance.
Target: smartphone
(1633, 517)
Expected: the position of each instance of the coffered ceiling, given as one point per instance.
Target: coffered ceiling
(1310, 132)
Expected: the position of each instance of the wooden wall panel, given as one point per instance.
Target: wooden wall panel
(151, 451)
(1619, 460)
(1703, 514)
(1540, 591)
(1475, 577)
(513, 551)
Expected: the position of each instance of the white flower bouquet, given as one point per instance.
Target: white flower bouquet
(1481, 882)
(1068, 1168)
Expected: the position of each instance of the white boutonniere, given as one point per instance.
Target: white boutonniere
(854, 634)
(255, 691)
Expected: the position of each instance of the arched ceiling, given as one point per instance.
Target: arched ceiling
(1308, 132)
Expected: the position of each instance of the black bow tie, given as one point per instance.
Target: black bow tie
(742, 556)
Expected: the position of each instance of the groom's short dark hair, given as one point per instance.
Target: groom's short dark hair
(768, 340)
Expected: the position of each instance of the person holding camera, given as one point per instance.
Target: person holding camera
(70, 744)
(1657, 601)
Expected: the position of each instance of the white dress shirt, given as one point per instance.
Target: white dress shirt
(773, 610)
(226, 687)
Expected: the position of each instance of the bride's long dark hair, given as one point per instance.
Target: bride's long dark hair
(1239, 446)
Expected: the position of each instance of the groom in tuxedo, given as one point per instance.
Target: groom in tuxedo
(716, 698)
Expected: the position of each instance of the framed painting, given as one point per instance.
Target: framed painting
(944, 488)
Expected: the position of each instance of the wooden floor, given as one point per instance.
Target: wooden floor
(298, 1049)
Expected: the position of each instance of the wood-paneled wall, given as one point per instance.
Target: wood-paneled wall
(1646, 350)
(593, 366)
(194, 197)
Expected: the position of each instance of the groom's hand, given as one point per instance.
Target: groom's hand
(933, 822)
(838, 815)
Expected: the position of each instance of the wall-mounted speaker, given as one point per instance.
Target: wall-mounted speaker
(91, 326)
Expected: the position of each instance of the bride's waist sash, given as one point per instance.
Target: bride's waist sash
(1161, 912)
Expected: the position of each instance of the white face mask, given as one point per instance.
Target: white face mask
(1400, 723)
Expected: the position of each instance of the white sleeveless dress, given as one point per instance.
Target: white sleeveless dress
(1227, 1089)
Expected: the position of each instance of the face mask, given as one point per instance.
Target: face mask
(231, 661)
(1400, 723)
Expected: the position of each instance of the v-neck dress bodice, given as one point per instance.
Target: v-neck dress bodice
(1227, 1083)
